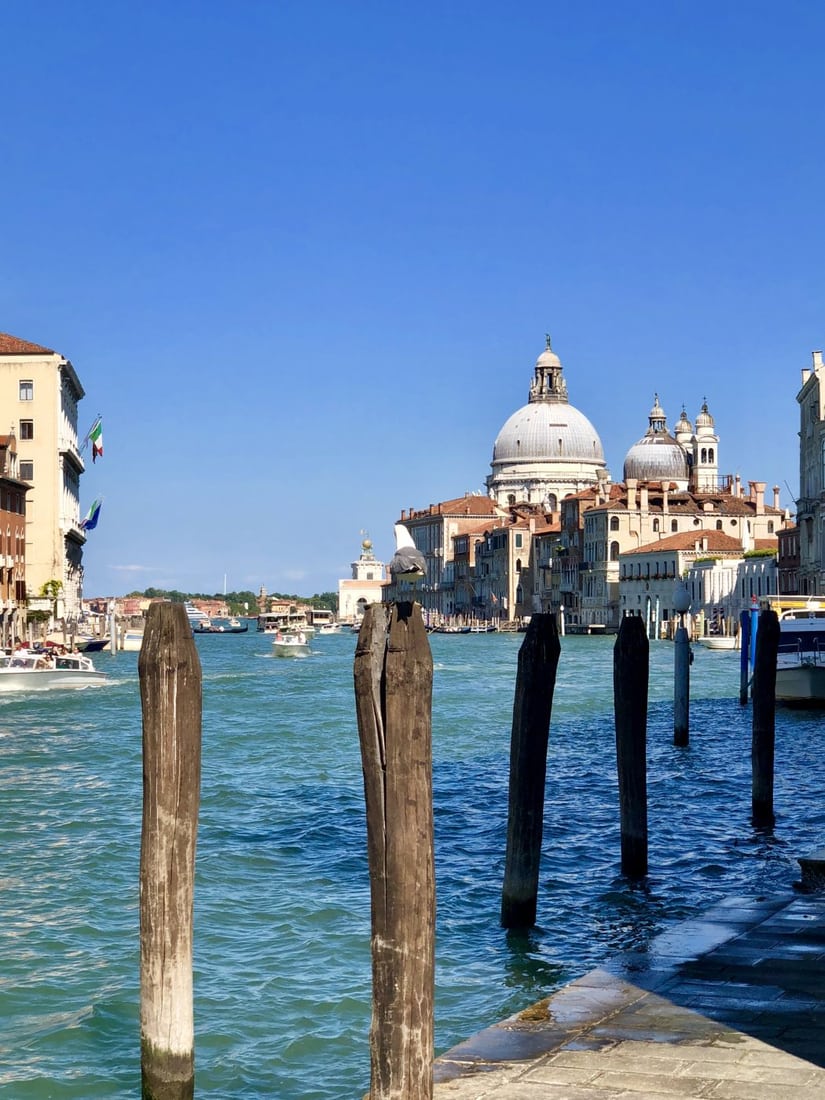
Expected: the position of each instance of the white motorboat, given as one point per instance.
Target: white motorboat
(291, 645)
(800, 661)
(24, 671)
(719, 641)
(330, 628)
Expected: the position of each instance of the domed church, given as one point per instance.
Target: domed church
(547, 448)
(690, 460)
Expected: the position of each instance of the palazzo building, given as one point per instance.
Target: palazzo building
(40, 393)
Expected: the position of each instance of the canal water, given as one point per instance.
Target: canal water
(282, 965)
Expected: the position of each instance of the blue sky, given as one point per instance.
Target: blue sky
(303, 255)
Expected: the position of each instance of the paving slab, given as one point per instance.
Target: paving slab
(727, 1007)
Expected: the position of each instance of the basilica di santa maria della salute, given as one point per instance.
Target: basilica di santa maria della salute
(555, 533)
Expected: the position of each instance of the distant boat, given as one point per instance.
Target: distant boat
(719, 641)
(291, 645)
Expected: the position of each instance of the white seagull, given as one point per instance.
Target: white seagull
(408, 563)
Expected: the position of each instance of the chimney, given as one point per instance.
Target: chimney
(631, 494)
(737, 486)
(759, 496)
(816, 358)
(776, 497)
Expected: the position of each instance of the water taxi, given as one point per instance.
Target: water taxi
(291, 645)
(25, 671)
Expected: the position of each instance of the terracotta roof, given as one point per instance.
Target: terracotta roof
(13, 345)
(715, 541)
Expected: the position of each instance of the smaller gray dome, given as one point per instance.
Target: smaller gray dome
(656, 458)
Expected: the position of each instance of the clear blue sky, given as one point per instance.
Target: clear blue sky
(303, 255)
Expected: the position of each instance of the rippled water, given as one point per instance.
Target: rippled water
(282, 969)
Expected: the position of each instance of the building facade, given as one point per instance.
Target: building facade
(40, 393)
(12, 544)
(365, 586)
(810, 507)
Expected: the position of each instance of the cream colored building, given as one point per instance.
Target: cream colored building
(366, 586)
(809, 506)
(39, 393)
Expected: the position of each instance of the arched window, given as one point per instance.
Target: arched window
(519, 594)
(710, 454)
(614, 523)
(704, 455)
(518, 565)
(718, 525)
(674, 525)
(655, 525)
(511, 499)
(614, 551)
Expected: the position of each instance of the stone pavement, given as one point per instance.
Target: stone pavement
(730, 1006)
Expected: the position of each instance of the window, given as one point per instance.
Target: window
(519, 538)
(674, 525)
(26, 391)
(614, 523)
(718, 525)
(655, 525)
(614, 551)
(27, 471)
(27, 429)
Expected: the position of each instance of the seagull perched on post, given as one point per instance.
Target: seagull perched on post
(408, 563)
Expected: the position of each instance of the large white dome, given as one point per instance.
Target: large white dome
(541, 432)
(657, 456)
(547, 448)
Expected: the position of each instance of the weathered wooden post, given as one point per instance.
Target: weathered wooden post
(681, 669)
(393, 697)
(744, 656)
(170, 693)
(630, 682)
(535, 682)
(763, 697)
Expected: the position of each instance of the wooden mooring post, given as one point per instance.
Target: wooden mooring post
(170, 692)
(744, 656)
(630, 684)
(763, 702)
(393, 697)
(535, 682)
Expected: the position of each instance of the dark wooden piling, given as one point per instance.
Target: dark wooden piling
(393, 696)
(535, 682)
(744, 656)
(170, 692)
(630, 683)
(763, 698)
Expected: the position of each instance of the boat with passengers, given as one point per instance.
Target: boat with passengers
(36, 670)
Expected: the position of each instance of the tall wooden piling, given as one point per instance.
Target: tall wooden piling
(170, 692)
(630, 684)
(763, 701)
(535, 682)
(393, 697)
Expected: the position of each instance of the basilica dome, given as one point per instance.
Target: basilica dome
(658, 456)
(547, 448)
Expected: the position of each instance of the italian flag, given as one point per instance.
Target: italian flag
(96, 436)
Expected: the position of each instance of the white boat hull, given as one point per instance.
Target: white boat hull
(290, 648)
(720, 641)
(803, 684)
(41, 672)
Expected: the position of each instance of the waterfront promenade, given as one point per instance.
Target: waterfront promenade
(728, 1006)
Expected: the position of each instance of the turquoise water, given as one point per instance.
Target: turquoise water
(282, 968)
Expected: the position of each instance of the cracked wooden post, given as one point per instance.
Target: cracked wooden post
(538, 660)
(393, 698)
(763, 718)
(170, 692)
(630, 681)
